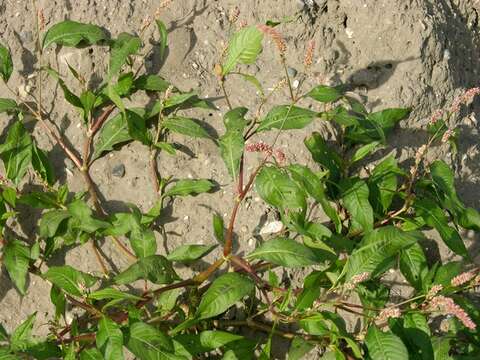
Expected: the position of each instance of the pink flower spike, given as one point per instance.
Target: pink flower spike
(462, 278)
(447, 306)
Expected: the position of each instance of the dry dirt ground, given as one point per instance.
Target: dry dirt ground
(418, 53)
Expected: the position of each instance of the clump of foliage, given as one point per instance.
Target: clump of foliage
(376, 210)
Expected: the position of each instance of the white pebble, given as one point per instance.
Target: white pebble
(271, 228)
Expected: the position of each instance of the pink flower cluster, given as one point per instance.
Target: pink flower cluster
(357, 279)
(387, 313)
(276, 37)
(446, 306)
(268, 150)
(463, 278)
(308, 61)
(465, 98)
(434, 290)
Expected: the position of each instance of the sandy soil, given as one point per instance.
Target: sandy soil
(417, 53)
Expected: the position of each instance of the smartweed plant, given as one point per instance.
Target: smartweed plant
(344, 308)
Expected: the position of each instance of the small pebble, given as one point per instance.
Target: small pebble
(118, 170)
(292, 72)
(271, 228)
(295, 84)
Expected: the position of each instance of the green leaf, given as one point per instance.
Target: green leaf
(355, 197)
(277, 189)
(444, 182)
(245, 46)
(286, 117)
(155, 268)
(91, 354)
(88, 99)
(16, 152)
(285, 252)
(151, 83)
(72, 33)
(224, 292)
(42, 165)
(231, 150)
(111, 293)
(113, 94)
(69, 95)
(185, 126)
(326, 94)
(377, 126)
(364, 151)
(376, 248)
(312, 183)
(82, 214)
(16, 258)
(22, 336)
(148, 343)
(162, 30)
(436, 218)
(469, 219)
(383, 184)
(109, 339)
(324, 323)
(187, 187)
(311, 289)
(123, 47)
(143, 242)
(6, 64)
(234, 120)
(413, 265)
(70, 280)
(206, 341)
(7, 105)
(218, 228)
(385, 345)
(189, 253)
(43, 350)
(325, 156)
(57, 297)
(169, 148)
(299, 348)
(50, 222)
(114, 132)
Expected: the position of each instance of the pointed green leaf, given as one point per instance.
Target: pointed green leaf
(235, 119)
(277, 189)
(109, 339)
(16, 152)
(355, 194)
(148, 343)
(16, 258)
(376, 248)
(7, 105)
(325, 156)
(189, 253)
(42, 165)
(286, 117)
(6, 64)
(231, 150)
(285, 252)
(72, 33)
(364, 151)
(123, 47)
(155, 268)
(162, 30)
(244, 48)
(436, 218)
(187, 187)
(385, 345)
(114, 132)
(50, 222)
(185, 126)
(22, 336)
(70, 280)
(151, 83)
(224, 292)
(326, 94)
